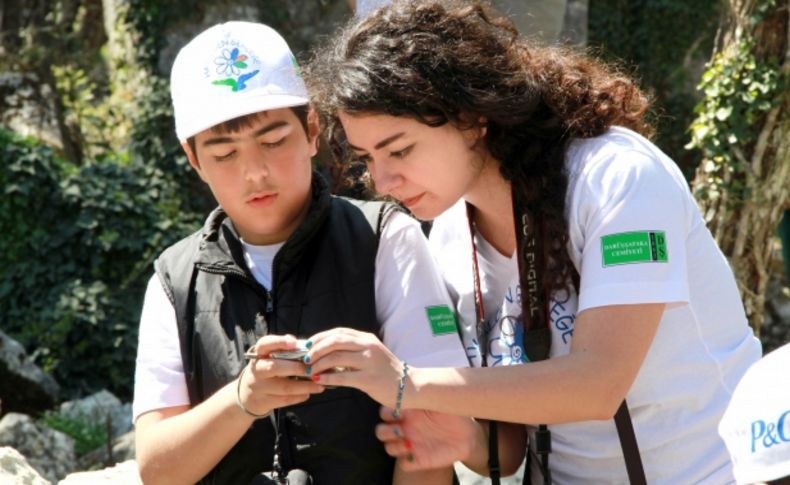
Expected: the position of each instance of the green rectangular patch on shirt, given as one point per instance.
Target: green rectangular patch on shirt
(634, 247)
(442, 320)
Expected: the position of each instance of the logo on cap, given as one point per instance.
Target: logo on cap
(231, 63)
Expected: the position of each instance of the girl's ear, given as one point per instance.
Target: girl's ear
(193, 161)
(477, 132)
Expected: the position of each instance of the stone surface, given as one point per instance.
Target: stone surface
(50, 452)
(300, 26)
(26, 107)
(99, 407)
(122, 450)
(24, 387)
(125, 473)
(15, 470)
(775, 331)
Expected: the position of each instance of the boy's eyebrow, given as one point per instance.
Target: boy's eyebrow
(380, 144)
(217, 140)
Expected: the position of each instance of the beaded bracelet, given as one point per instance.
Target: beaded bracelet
(238, 398)
(401, 387)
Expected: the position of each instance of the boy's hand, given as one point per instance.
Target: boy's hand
(269, 383)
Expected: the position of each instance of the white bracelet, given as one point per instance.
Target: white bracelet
(238, 398)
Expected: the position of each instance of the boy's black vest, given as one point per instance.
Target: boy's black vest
(323, 277)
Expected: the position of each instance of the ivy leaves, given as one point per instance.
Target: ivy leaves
(79, 242)
(739, 91)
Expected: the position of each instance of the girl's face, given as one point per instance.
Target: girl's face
(427, 169)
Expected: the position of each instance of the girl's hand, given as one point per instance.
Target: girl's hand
(368, 365)
(427, 439)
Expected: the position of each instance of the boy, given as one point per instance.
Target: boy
(280, 257)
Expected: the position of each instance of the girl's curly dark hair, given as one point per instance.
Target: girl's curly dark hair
(459, 62)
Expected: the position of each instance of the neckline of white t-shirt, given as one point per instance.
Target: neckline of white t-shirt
(259, 259)
(487, 253)
(497, 272)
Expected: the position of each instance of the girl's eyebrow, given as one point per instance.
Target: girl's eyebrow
(217, 140)
(380, 144)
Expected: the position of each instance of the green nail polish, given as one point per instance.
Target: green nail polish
(308, 344)
(306, 359)
(308, 371)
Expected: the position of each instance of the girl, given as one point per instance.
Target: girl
(561, 231)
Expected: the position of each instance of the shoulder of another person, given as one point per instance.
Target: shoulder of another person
(377, 212)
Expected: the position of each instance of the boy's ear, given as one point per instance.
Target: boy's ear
(312, 131)
(193, 161)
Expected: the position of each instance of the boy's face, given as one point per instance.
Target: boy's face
(260, 175)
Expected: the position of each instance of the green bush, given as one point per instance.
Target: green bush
(87, 435)
(79, 242)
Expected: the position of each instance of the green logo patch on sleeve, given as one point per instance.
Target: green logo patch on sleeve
(442, 320)
(634, 247)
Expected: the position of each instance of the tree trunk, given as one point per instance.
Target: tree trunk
(743, 129)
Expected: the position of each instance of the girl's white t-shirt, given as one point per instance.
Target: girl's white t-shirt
(636, 236)
(408, 287)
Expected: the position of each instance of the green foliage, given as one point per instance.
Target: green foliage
(664, 41)
(87, 434)
(78, 244)
(152, 141)
(739, 90)
(151, 138)
(91, 119)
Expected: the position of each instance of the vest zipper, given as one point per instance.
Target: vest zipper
(262, 292)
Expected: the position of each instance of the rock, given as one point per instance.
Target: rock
(125, 473)
(301, 27)
(96, 408)
(26, 107)
(50, 452)
(15, 470)
(122, 450)
(775, 330)
(24, 387)
(574, 27)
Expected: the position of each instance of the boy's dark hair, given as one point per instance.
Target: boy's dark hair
(459, 62)
(236, 124)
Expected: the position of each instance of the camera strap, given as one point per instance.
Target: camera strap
(531, 258)
(536, 340)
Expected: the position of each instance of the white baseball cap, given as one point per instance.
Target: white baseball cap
(756, 424)
(230, 70)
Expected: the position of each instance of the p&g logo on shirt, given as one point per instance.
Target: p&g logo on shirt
(767, 434)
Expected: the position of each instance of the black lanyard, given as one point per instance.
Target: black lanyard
(530, 263)
(537, 341)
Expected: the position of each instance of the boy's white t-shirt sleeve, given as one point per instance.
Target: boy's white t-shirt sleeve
(159, 380)
(626, 212)
(417, 319)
